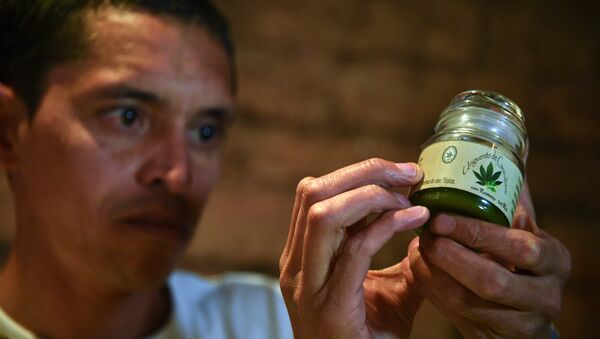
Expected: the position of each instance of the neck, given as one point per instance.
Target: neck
(37, 294)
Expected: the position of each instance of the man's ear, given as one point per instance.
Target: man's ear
(12, 113)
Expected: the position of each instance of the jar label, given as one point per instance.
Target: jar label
(479, 169)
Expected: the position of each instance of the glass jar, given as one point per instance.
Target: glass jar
(475, 162)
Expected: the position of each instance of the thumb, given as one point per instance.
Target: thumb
(525, 218)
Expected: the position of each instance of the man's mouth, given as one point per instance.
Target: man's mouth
(157, 216)
(172, 224)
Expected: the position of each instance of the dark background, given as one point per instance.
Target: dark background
(325, 83)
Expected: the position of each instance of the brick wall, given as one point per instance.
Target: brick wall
(327, 83)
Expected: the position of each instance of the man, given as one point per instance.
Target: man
(113, 114)
(113, 118)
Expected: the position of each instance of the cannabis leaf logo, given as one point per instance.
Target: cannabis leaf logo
(449, 154)
(487, 177)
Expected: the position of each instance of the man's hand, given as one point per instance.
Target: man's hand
(492, 281)
(325, 276)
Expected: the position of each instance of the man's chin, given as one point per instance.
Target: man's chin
(141, 255)
(145, 263)
(145, 273)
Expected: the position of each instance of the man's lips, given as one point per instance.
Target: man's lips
(159, 215)
(161, 221)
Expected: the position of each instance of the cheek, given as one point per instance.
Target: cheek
(66, 164)
(206, 174)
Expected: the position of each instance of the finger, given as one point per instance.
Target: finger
(520, 248)
(524, 217)
(431, 281)
(354, 260)
(472, 315)
(490, 280)
(328, 219)
(390, 295)
(414, 243)
(297, 202)
(405, 264)
(370, 172)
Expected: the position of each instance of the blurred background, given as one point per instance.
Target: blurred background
(326, 83)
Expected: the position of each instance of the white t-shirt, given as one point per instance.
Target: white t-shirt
(236, 305)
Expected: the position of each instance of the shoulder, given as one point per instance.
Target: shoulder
(233, 305)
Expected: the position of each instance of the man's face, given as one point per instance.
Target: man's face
(124, 150)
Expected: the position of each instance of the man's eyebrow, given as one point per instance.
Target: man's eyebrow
(224, 114)
(127, 92)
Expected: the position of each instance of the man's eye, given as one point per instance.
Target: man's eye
(124, 117)
(207, 133)
(128, 117)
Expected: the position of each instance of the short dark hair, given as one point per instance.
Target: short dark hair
(36, 35)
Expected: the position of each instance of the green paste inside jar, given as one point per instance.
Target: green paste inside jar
(456, 201)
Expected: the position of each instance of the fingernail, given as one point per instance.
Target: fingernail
(410, 218)
(409, 169)
(416, 211)
(444, 224)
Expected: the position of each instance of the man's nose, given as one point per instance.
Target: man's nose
(167, 166)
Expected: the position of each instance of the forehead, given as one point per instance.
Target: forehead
(157, 52)
(118, 32)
